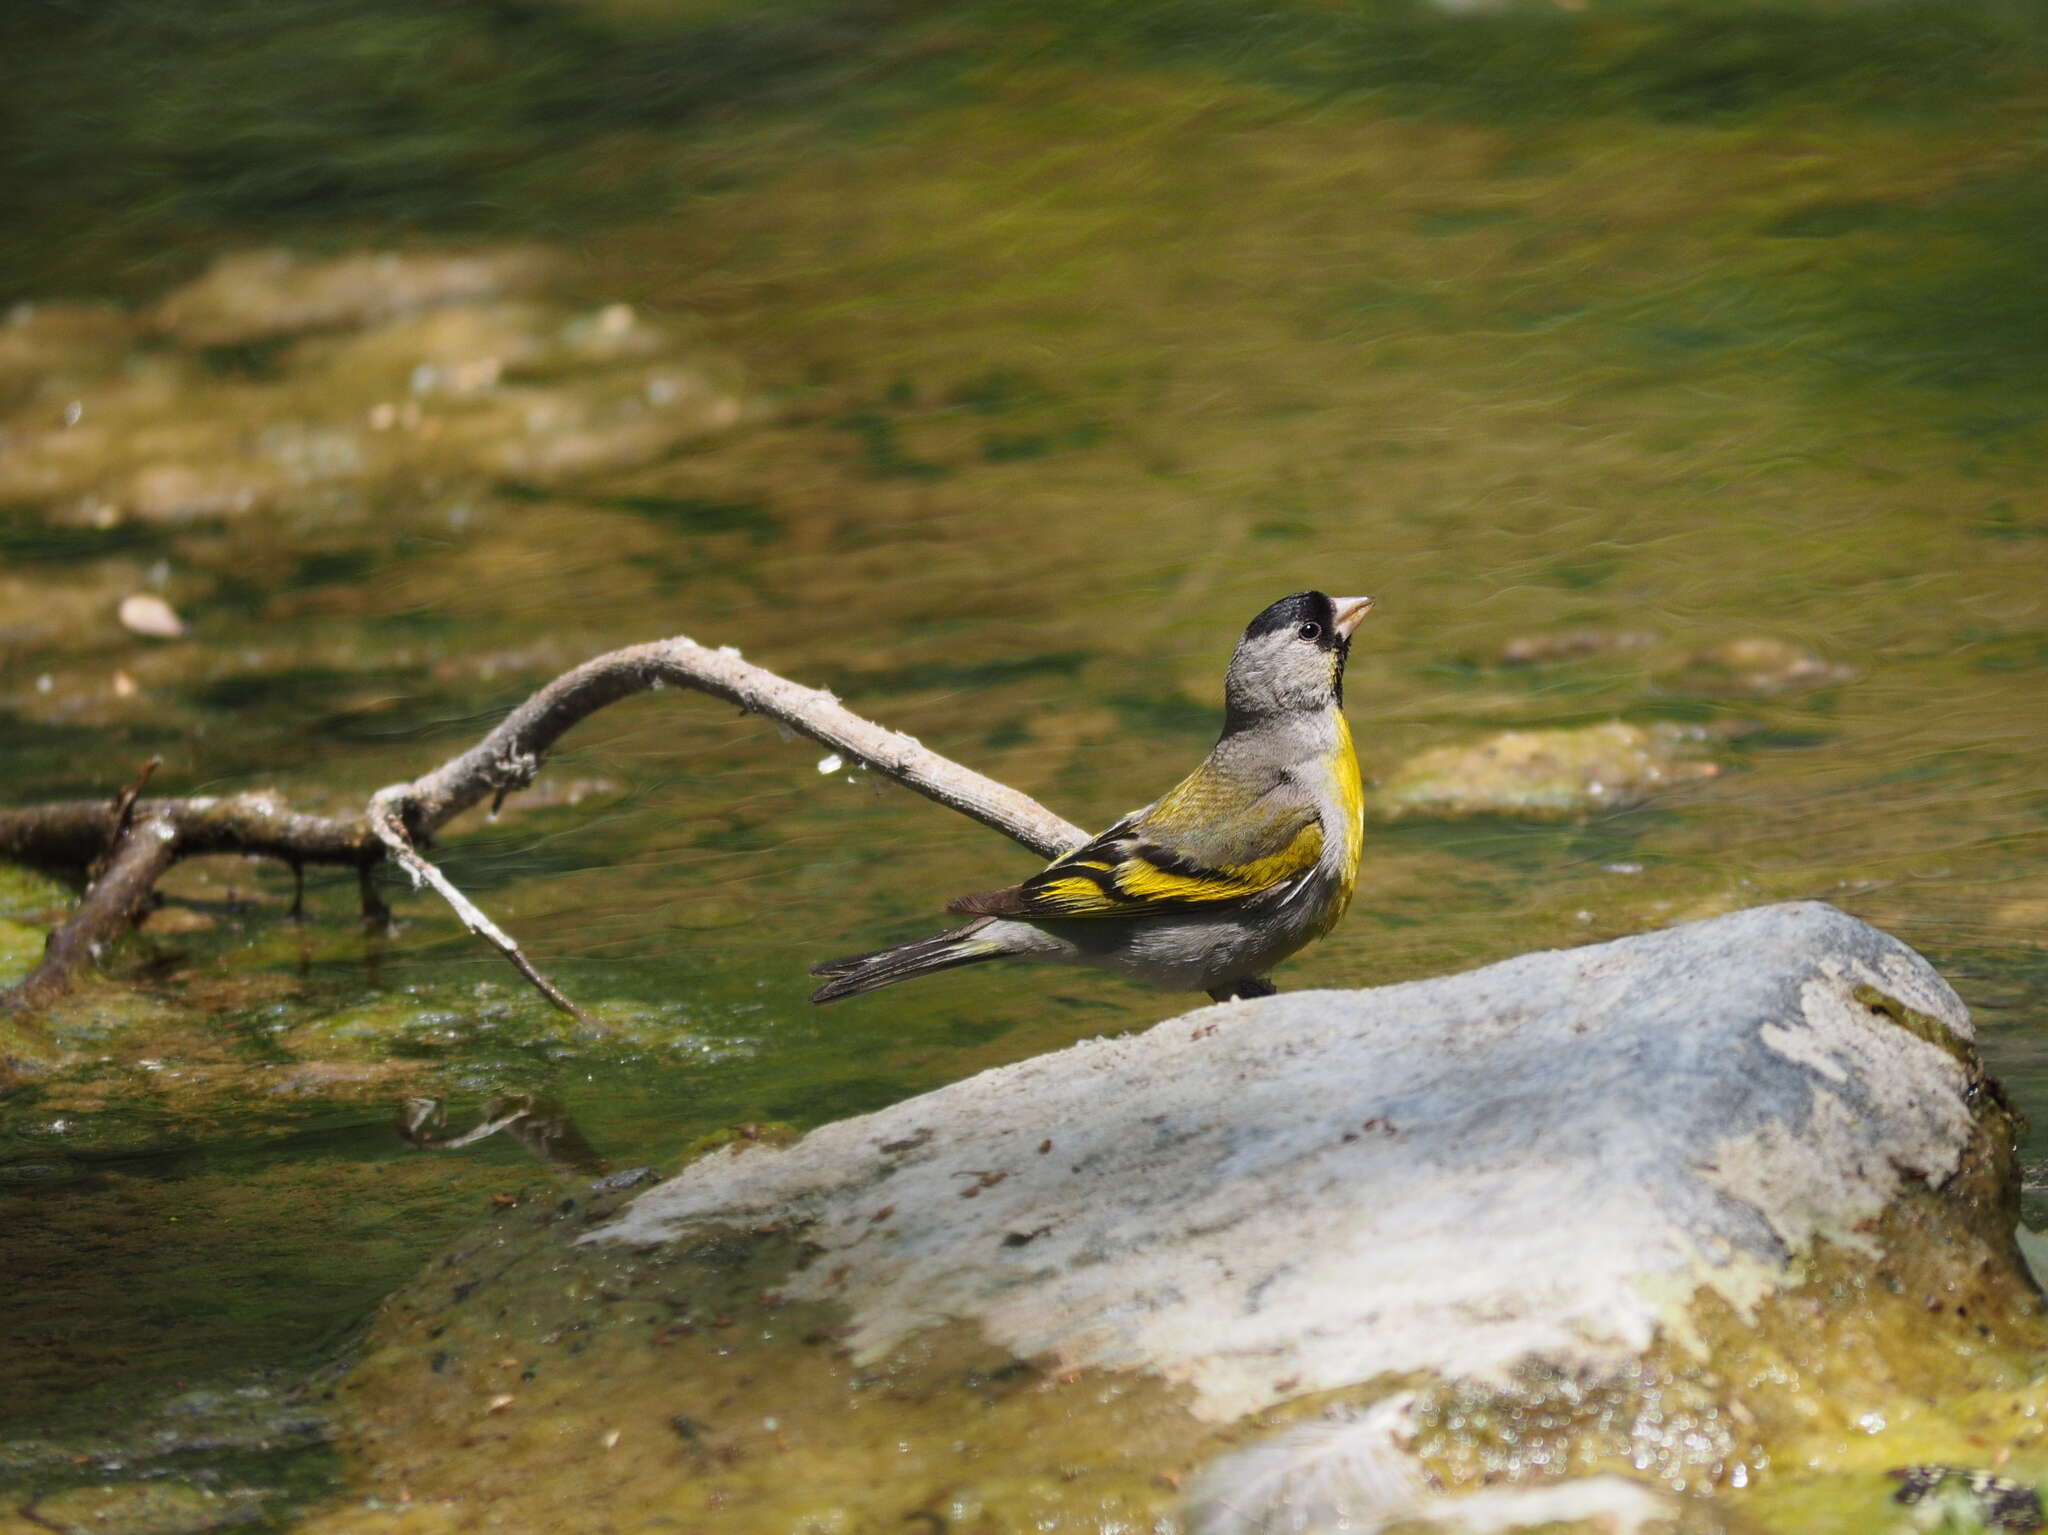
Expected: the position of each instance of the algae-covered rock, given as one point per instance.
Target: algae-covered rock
(171, 491)
(22, 1043)
(1544, 772)
(55, 608)
(1551, 645)
(1694, 1208)
(1760, 665)
(1708, 1099)
(143, 1508)
(22, 1046)
(280, 384)
(463, 349)
(251, 296)
(490, 1015)
(20, 947)
(48, 349)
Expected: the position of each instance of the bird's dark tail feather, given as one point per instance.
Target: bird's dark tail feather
(857, 973)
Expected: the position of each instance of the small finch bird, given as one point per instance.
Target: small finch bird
(1250, 857)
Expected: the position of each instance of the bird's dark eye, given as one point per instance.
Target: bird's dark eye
(1310, 631)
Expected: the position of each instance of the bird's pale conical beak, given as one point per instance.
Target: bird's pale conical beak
(1351, 613)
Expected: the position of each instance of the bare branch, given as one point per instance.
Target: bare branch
(510, 756)
(384, 818)
(139, 856)
(69, 837)
(124, 803)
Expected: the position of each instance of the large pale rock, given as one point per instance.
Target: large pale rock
(1568, 1241)
(1302, 1192)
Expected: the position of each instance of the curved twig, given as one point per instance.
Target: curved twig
(384, 815)
(510, 755)
(402, 818)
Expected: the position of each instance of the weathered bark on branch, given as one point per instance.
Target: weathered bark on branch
(510, 755)
(70, 837)
(144, 848)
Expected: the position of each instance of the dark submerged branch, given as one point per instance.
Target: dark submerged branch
(66, 837)
(538, 1123)
(144, 848)
(143, 837)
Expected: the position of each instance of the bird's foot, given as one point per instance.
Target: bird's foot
(1243, 989)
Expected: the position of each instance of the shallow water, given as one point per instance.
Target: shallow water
(1075, 348)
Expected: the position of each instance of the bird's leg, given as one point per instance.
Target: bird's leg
(1243, 988)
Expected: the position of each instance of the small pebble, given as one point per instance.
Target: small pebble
(152, 616)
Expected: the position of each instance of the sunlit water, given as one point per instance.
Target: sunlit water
(1073, 366)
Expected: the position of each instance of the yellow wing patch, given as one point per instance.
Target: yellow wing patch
(1147, 880)
(1076, 896)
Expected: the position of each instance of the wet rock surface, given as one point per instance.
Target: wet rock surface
(141, 1479)
(1761, 665)
(1553, 1216)
(1533, 1098)
(253, 296)
(1743, 665)
(1544, 773)
(263, 441)
(311, 388)
(1548, 646)
(139, 1508)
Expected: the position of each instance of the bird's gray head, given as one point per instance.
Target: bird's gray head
(1292, 657)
